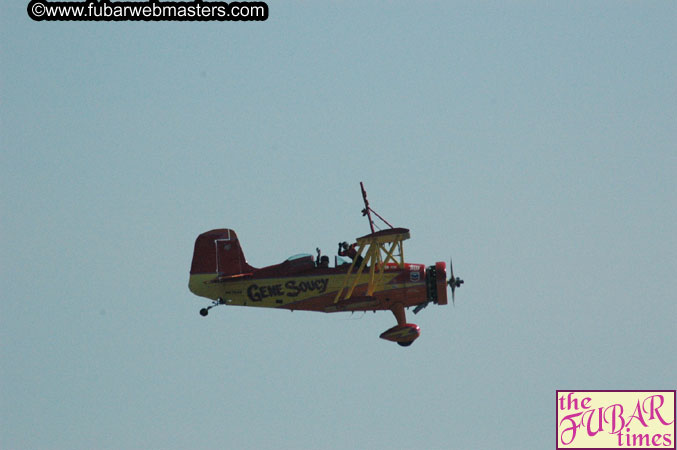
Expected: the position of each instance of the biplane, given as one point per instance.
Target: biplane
(376, 278)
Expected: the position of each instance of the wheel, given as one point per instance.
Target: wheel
(204, 312)
(405, 344)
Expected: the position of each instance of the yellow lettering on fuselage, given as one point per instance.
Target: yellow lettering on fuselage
(278, 292)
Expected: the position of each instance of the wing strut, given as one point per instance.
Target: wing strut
(378, 254)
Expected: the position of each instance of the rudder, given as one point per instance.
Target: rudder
(219, 252)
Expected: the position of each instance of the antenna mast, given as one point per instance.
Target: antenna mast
(367, 210)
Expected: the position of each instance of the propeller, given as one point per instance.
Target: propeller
(454, 282)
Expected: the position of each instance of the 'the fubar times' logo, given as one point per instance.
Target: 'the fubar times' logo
(615, 419)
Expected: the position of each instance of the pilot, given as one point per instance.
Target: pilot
(349, 251)
(322, 261)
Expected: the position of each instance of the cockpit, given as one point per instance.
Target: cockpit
(299, 256)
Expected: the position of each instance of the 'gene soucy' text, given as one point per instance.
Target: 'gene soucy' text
(292, 288)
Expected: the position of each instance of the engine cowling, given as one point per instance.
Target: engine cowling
(441, 282)
(436, 283)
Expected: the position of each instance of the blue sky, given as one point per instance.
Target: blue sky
(533, 141)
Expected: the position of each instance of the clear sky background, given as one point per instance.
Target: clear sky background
(532, 141)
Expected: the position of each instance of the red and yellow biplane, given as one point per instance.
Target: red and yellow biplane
(378, 278)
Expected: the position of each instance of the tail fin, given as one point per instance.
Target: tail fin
(219, 251)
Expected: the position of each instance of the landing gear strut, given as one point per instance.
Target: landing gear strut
(217, 302)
